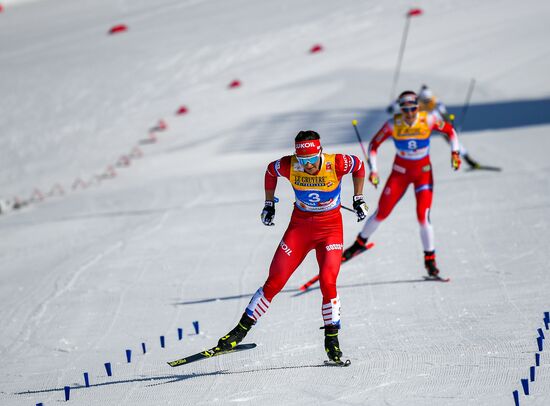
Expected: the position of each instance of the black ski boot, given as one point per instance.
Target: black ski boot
(430, 264)
(332, 347)
(235, 336)
(359, 246)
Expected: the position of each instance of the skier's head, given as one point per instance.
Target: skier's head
(308, 150)
(425, 95)
(408, 103)
(426, 98)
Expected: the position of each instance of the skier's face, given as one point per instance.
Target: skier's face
(312, 169)
(311, 164)
(409, 112)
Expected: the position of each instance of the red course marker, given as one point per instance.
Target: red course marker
(116, 29)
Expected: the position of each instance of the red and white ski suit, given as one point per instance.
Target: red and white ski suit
(316, 224)
(411, 165)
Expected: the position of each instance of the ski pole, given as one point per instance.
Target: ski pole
(347, 208)
(412, 12)
(354, 123)
(466, 104)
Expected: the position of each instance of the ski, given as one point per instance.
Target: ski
(479, 167)
(307, 285)
(330, 363)
(368, 247)
(212, 352)
(436, 279)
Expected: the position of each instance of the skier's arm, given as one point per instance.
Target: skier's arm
(351, 164)
(281, 167)
(382, 135)
(449, 131)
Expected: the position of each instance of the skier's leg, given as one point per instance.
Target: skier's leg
(328, 253)
(289, 254)
(393, 191)
(423, 206)
(424, 196)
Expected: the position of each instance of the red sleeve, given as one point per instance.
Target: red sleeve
(280, 167)
(381, 136)
(448, 129)
(349, 164)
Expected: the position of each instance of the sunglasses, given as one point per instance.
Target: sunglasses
(308, 160)
(409, 109)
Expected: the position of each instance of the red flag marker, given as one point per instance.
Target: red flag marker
(136, 152)
(37, 195)
(182, 110)
(79, 182)
(316, 48)
(123, 161)
(414, 12)
(1, 8)
(116, 29)
(162, 125)
(234, 84)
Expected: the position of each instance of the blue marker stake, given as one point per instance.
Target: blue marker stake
(537, 359)
(196, 325)
(180, 333)
(539, 342)
(525, 384)
(516, 397)
(546, 316)
(129, 356)
(143, 348)
(108, 369)
(86, 380)
(162, 341)
(532, 374)
(67, 390)
(40, 404)
(541, 334)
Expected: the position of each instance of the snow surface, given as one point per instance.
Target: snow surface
(176, 237)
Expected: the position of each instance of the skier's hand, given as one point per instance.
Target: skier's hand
(455, 160)
(374, 179)
(268, 213)
(360, 207)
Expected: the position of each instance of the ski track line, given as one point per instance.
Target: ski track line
(60, 289)
(77, 361)
(140, 235)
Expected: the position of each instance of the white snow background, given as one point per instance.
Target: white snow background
(176, 236)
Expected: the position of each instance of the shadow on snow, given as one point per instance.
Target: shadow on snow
(275, 132)
(166, 379)
(297, 292)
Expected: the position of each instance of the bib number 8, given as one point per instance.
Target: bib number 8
(413, 145)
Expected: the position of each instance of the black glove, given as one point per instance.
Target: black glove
(360, 207)
(268, 213)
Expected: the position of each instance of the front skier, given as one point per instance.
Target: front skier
(316, 223)
(411, 131)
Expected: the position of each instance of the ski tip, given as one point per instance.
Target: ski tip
(370, 245)
(436, 279)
